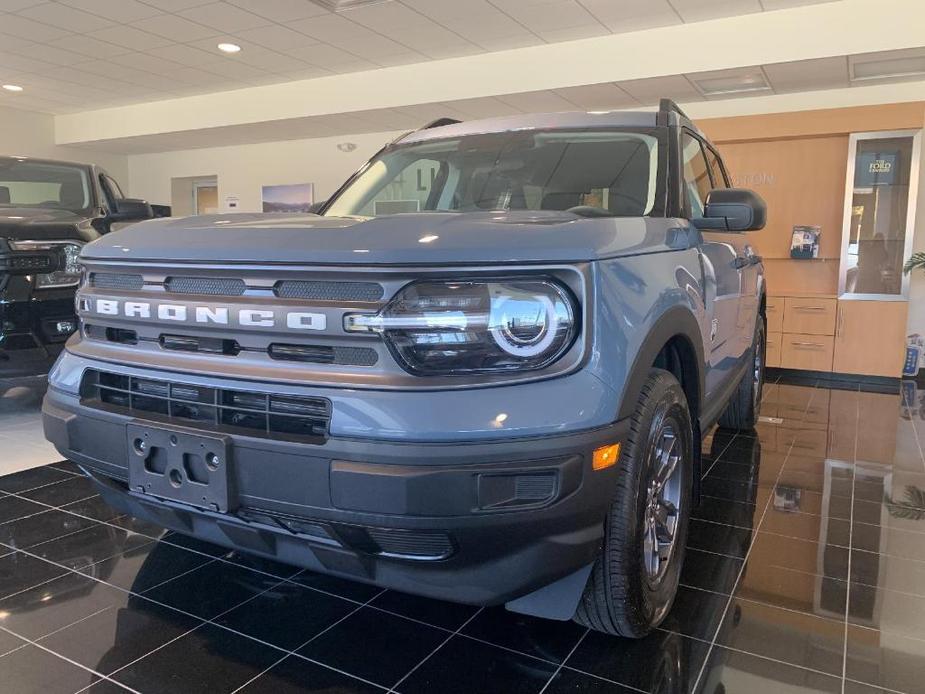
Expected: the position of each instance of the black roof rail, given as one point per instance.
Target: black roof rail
(439, 123)
(667, 106)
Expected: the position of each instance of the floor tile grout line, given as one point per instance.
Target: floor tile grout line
(303, 645)
(202, 621)
(66, 659)
(844, 662)
(564, 661)
(764, 604)
(880, 689)
(738, 580)
(20, 492)
(392, 689)
(895, 591)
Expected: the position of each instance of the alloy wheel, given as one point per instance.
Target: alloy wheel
(663, 499)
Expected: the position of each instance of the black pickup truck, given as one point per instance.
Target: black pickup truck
(48, 211)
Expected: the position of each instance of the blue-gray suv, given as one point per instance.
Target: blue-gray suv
(481, 373)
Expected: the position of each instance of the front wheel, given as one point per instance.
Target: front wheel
(634, 580)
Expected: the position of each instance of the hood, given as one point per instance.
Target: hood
(430, 238)
(29, 223)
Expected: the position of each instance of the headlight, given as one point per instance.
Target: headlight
(446, 328)
(68, 275)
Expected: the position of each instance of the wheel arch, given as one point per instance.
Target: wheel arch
(674, 343)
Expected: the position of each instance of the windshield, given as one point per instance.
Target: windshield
(25, 183)
(612, 173)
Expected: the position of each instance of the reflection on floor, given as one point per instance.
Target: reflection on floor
(22, 443)
(805, 572)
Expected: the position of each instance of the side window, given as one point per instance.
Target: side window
(696, 174)
(716, 169)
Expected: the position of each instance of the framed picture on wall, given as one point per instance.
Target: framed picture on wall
(295, 197)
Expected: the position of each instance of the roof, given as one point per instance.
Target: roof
(536, 121)
(39, 160)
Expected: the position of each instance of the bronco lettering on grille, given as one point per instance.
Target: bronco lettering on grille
(204, 314)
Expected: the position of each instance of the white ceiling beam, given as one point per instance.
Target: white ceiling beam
(815, 31)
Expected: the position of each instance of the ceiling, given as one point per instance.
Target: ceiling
(80, 55)
(887, 67)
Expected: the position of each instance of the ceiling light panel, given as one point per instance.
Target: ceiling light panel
(344, 5)
(730, 82)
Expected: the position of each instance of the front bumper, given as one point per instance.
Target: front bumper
(29, 338)
(477, 522)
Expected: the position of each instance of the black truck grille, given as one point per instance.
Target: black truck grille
(266, 415)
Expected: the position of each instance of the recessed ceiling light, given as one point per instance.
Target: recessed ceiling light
(342, 5)
(894, 68)
(12, 87)
(734, 84)
(229, 48)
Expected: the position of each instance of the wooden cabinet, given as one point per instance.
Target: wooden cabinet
(809, 316)
(870, 337)
(807, 352)
(774, 308)
(772, 354)
(815, 332)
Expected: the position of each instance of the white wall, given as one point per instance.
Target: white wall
(32, 134)
(243, 169)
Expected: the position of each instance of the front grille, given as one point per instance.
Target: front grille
(266, 415)
(328, 291)
(211, 286)
(113, 280)
(324, 354)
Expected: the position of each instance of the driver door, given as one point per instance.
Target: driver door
(722, 270)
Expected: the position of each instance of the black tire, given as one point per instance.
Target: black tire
(621, 597)
(741, 412)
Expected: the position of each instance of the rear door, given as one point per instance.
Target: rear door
(720, 255)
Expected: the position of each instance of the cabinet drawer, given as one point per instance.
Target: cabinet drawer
(810, 316)
(805, 351)
(772, 357)
(775, 314)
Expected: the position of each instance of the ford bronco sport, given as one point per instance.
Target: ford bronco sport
(481, 373)
(48, 211)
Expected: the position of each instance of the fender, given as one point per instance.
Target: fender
(676, 321)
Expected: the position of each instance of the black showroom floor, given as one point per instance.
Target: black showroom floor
(805, 573)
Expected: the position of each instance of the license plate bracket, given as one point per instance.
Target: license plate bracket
(179, 465)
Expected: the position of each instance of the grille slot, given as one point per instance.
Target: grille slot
(411, 544)
(113, 280)
(328, 291)
(211, 286)
(324, 354)
(287, 417)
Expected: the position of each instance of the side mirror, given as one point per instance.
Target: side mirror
(131, 210)
(733, 209)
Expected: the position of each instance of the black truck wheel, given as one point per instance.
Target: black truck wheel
(634, 580)
(741, 413)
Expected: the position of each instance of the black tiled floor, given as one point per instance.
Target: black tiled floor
(798, 577)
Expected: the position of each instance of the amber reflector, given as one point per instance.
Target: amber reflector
(605, 456)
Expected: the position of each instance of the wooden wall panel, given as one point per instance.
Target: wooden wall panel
(768, 126)
(801, 276)
(803, 182)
